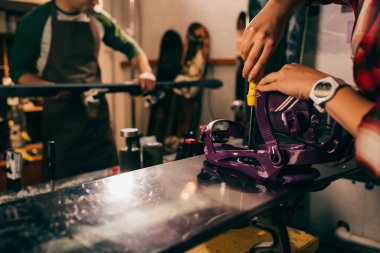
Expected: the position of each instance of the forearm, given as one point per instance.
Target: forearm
(146, 78)
(348, 108)
(31, 79)
(141, 62)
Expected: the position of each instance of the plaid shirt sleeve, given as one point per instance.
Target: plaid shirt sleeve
(368, 143)
(367, 77)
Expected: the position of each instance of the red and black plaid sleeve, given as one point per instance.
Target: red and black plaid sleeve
(368, 143)
(367, 77)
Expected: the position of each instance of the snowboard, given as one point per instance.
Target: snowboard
(187, 102)
(168, 67)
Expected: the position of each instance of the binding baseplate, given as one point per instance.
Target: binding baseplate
(273, 160)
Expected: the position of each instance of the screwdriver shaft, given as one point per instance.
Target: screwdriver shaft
(251, 101)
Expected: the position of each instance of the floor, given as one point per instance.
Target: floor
(333, 247)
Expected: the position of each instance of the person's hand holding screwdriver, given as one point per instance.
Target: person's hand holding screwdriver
(263, 34)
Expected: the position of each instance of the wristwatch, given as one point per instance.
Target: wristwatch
(323, 91)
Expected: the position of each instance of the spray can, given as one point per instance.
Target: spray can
(153, 153)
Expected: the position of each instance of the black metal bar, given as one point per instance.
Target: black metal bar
(133, 112)
(133, 88)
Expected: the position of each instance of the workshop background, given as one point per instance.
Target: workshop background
(151, 20)
(352, 201)
(327, 48)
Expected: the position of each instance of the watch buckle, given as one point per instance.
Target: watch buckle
(319, 108)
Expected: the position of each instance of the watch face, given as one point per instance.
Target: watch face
(322, 89)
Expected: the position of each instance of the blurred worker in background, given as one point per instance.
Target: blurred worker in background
(59, 42)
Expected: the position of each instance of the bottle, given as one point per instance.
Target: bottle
(15, 118)
(130, 155)
(191, 145)
(13, 168)
(153, 153)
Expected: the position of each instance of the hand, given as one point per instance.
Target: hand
(261, 38)
(147, 81)
(292, 79)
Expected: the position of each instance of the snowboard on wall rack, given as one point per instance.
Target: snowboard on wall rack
(187, 102)
(168, 67)
(179, 111)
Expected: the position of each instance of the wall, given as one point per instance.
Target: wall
(112, 72)
(219, 16)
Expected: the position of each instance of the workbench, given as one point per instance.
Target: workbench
(164, 208)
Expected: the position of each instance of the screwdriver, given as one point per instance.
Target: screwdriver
(251, 102)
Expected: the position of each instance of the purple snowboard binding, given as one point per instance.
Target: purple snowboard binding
(301, 140)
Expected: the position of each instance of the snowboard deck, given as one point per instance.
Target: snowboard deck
(164, 208)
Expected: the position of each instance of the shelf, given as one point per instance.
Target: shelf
(33, 146)
(33, 109)
(27, 148)
(223, 62)
(36, 158)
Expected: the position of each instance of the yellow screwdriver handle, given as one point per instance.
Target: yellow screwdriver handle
(251, 96)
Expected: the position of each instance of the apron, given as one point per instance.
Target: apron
(83, 142)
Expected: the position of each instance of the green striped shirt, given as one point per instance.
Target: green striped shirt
(32, 40)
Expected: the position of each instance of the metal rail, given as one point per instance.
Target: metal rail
(132, 88)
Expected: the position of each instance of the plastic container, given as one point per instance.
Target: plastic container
(130, 156)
